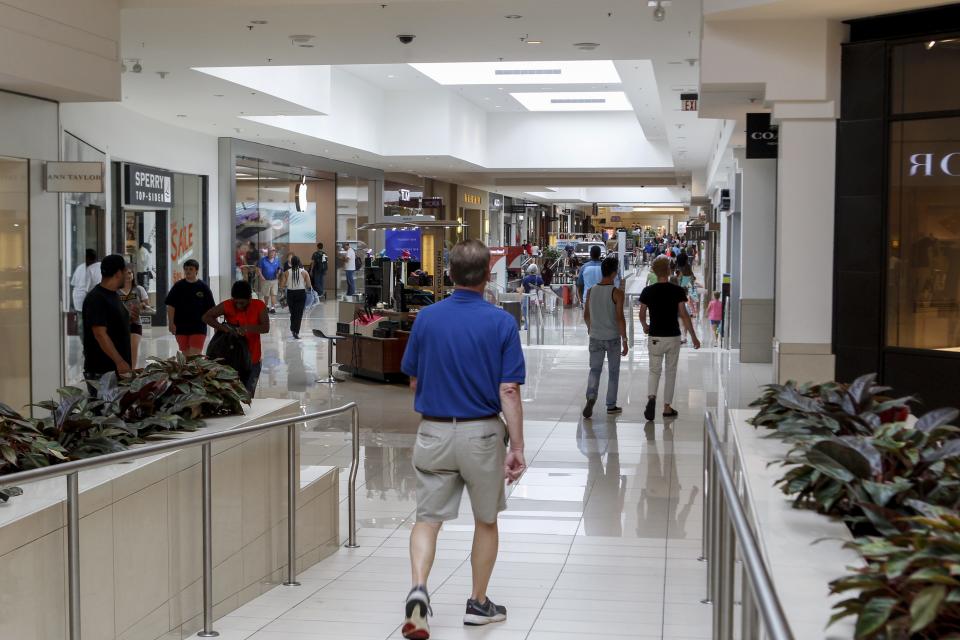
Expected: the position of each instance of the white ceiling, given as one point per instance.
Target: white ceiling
(656, 62)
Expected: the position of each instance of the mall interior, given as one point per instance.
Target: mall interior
(792, 165)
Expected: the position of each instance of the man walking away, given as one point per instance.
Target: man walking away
(667, 305)
(269, 271)
(106, 324)
(318, 271)
(603, 315)
(188, 300)
(466, 366)
(590, 273)
(350, 268)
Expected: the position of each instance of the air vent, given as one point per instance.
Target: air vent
(578, 100)
(527, 72)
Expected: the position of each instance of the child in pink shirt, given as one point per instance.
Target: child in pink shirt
(715, 313)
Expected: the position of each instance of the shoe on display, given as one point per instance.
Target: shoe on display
(588, 408)
(614, 409)
(415, 626)
(478, 614)
(650, 411)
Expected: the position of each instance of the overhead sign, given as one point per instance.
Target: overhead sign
(763, 138)
(435, 202)
(73, 177)
(471, 198)
(688, 101)
(147, 187)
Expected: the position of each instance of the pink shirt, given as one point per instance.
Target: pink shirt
(715, 310)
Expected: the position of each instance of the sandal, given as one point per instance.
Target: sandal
(670, 414)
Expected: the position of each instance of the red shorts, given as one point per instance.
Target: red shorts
(192, 341)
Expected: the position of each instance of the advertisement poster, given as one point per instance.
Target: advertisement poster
(397, 241)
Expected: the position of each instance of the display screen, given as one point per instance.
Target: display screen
(397, 241)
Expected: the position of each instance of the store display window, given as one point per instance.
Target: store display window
(14, 280)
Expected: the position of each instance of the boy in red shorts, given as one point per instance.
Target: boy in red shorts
(187, 301)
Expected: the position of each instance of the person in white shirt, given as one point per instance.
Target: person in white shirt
(85, 277)
(350, 268)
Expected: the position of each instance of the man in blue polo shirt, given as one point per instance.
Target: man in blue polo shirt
(590, 273)
(269, 270)
(466, 366)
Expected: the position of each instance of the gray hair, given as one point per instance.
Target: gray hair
(533, 269)
(469, 263)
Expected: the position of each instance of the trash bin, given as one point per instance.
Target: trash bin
(513, 308)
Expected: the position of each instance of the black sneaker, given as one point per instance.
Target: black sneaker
(651, 411)
(588, 408)
(415, 625)
(613, 410)
(273, 309)
(478, 614)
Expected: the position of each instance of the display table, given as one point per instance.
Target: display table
(803, 550)
(375, 358)
(140, 536)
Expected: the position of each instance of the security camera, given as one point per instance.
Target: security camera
(137, 67)
(406, 38)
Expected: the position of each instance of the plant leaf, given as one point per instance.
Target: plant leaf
(874, 615)
(938, 417)
(925, 607)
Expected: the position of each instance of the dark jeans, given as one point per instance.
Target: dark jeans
(318, 281)
(253, 378)
(351, 286)
(296, 300)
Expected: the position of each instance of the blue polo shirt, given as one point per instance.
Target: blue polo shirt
(460, 350)
(591, 274)
(269, 268)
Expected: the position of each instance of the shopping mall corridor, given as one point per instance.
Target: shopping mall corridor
(602, 533)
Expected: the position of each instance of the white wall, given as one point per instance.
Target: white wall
(758, 229)
(61, 50)
(128, 136)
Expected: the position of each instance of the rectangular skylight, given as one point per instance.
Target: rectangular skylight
(574, 101)
(500, 73)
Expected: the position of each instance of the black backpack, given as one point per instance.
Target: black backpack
(232, 350)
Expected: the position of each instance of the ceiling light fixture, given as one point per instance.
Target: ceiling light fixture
(534, 41)
(513, 16)
(931, 44)
(659, 13)
(586, 46)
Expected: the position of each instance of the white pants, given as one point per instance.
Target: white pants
(661, 349)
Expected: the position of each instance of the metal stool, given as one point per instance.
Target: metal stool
(331, 343)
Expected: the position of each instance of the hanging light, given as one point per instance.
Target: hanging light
(659, 13)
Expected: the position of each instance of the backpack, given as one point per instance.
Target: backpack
(232, 350)
(357, 262)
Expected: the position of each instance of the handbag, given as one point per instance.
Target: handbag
(312, 299)
(232, 350)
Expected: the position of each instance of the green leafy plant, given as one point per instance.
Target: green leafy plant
(23, 446)
(909, 586)
(79, 425)
(551, 253)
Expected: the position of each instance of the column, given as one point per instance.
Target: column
(804, 274)
(758, 238)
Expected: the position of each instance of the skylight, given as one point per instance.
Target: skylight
(500, 73)
(574, 101)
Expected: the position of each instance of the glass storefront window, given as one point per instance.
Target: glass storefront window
(923, 280)
(918, 71)
(14, 281)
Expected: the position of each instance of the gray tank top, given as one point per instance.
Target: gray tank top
(603, 313)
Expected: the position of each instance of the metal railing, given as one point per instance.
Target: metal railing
(725, 528)
(73, 468)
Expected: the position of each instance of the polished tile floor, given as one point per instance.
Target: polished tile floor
(602, 534)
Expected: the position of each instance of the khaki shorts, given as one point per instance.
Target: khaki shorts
(451, 455)
(268, 288)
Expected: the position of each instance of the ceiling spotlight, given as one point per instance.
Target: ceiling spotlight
(659, 13)
(931, 44)
(137, 67)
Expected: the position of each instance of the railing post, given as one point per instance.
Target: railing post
(206, 470)
(716, 517)
(73, 553)
(727, 568)
(748, 619)
(717, 595)
(292, 486)
(352, 483)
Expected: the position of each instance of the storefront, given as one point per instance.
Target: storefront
(291, 201)
(897, 227)
(472, 211)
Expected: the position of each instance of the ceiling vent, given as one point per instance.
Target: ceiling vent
(586, 46)
(528, 72)
(578, 100)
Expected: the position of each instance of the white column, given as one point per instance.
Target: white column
(804, 274)
(757, 257)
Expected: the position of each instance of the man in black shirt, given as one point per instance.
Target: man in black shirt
(318, 270)
(667, 305)
(187, 301)
(106, 324)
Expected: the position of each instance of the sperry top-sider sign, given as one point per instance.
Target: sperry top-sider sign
(73, 177)
(147, 187)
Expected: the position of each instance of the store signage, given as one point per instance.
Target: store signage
(147, 187)
(615, 219)
(762, 137)
(927, 165)
(518, 208)
(431, 203)
(470, 198)
(688, 101)
(73, 177)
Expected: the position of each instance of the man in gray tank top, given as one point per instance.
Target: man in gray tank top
(603, 315)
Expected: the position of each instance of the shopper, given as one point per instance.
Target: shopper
(296, 283)
(251, 260)
(590, 273)
(715, 314)
(666, 303)
(137, 302)
(106, 325)
(188, 300)
(85, 277)
(466, 366)
(350, 268)
(246, 317)
(530, 284)
(318, 271)
(268, 269)
(603, 315)
(682, 258)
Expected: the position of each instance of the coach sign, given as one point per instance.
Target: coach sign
(73, 177)
(762, 137)
(147, 187)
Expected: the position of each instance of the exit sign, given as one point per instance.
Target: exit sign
(688, 101)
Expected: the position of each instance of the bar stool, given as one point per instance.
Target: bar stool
(331, 343)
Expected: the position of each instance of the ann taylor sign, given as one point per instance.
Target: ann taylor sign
(73, 177)
(147, 187)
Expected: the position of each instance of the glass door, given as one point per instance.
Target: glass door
(14, 282)
(145, 237)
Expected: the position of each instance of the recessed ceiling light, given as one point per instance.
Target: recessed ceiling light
(391, 76)
(575, 101)
(181, 115)
(218, 95)
(586, 46)
(534, 41)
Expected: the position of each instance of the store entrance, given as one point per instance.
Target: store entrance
(145, 236)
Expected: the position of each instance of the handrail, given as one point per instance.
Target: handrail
(72, 469)
(768, 604)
